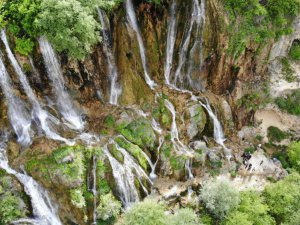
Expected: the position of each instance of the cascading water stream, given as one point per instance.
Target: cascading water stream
(94, 189)
(63, 101)
(197, 15)
(115, 89)
(40, 116)
(171, 39)
(125, 175)
(17, 113)
(43, 210)
(218, 130)
(133, 22)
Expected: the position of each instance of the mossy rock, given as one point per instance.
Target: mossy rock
(134, 150)
(116, 153)
(14, 203)
(162, 114)
(195, 118)
(64, 166)
(139, 132)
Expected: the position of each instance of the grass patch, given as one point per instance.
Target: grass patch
(277, 135)
(290, 103)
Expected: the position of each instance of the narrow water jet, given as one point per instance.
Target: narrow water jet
(43, 210)
(125, 174)
(94, 189)
(171, 39)
(133, 22)
(115, 88)
(40, 116)
(63, 100)
(218, 130)
(17, 113)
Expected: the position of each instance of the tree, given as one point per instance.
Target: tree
(252, 209)
(147, 212)
(283, 197)
(219, 197)
(293, 152)
(68, 26)
(184, 217)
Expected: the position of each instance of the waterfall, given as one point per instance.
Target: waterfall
(17, 113)
(43, 210)
(63, 101)
(133, 22)
(218, 130)
(171, 39)
(94, 189)
(38, 114)
(115, 89)
(125, 175)
(198, 18)
(180, 147)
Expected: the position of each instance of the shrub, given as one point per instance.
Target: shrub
(275, 134)
(283, 197)
(293, 152)
(108, 208)
(219, 197)
(77, 31)
(290, 102)
(294, 52)
(147, 212)
(184, 217)
(251, 210)
(9, 209)
(287, 70)
(24, 45)
(77, 198)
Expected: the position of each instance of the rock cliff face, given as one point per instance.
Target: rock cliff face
(226, 81)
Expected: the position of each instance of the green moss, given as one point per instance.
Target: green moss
(102, 184)
(134, 150)
(139, 132)
(9, 209)
(161, 113)
(177, 162)
(67, 162)
(77, 199)
(275, 134)
(109, 121)
(116, 154)
(287, 70)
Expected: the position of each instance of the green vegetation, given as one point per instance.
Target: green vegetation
(294, 52)
(276, 135)
(219, 197)
(283, 197)
(290, 102)
(293, 152)
(287, 70)
(257, 21)
(77, 198)
(109, 208)
(252, 210)
(70, 25)
(139, 132)
(9, 209)
(150, 212)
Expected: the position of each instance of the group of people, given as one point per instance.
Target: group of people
(246, 157)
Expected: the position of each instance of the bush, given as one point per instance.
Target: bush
(78, 31)
(145, 213)
(294, 52)
(275, 134)
(290, 103)
(219, 197)
(252, 210)
(24, 46)
(293, 152)
(283, 197)
(9, 209)
(109, 207)
(287, 70)
(184, 217)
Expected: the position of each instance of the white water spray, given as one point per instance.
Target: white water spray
(40, 116)
(43, 210)
(63, 101)
(17, 113)
(133, 22)
(115, 89)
